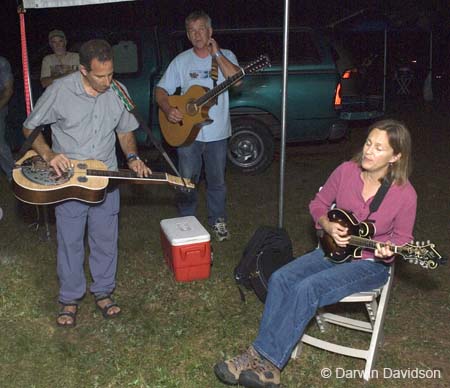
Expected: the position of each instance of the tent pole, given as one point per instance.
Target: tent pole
(28, 93)
(431, 54)
(283, 112)
(25, 63)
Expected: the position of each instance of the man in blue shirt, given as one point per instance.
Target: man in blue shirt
(6, 91)
(193, 67)
(85, 115)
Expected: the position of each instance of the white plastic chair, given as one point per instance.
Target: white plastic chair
(404, 77)
(376, 304)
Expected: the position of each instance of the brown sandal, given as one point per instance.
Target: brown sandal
(67, 313)
(107, 307)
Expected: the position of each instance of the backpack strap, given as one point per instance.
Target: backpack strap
(131, 107)
(29, 142)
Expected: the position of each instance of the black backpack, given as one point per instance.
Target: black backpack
(269, 249)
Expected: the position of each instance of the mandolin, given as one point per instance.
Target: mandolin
(195, 105)
(361, 232)
(35, 182)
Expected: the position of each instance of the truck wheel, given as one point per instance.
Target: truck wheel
(251, 146)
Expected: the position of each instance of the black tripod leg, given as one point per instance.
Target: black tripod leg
(47, 236)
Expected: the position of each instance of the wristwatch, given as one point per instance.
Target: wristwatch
(217, 54)
(132, 156)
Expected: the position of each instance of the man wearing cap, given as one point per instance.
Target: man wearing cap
(61, 62)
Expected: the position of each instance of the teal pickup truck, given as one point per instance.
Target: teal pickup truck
(314, 103)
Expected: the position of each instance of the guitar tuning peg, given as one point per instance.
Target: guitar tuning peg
(417, 243)
(428, 242)
(423, 243)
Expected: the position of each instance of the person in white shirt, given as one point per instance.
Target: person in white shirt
(61, 62)
(193, 67)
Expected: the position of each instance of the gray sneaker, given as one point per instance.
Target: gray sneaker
(229, 371)
(220, 230)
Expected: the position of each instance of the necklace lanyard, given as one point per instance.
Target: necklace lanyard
(214, 74)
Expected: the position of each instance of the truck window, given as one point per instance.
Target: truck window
(302, 47)
(125, 57)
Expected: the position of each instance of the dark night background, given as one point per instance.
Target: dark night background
(412, 20)
(226, 13)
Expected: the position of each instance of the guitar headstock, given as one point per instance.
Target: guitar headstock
(258, 64)
(184, 185)
(423, 254)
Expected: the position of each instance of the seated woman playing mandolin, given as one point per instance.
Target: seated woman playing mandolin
(312, 281)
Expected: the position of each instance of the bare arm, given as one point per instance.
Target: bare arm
(227, 68)
(172, 113)
(127, 142)
(46, 81)
(7, 93)
(58, 161)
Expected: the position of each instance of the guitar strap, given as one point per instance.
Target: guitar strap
(28, 143)
(131, 107)
(379, 196)
(214, 74)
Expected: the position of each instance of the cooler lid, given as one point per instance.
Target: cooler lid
(184, 230)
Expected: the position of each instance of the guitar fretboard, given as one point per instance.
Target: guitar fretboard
(219, 88)
(156, 176)
(372, 244)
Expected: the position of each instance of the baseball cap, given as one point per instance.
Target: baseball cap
(54, 33)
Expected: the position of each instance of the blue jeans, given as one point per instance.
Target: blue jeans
(6, 158)
(190, 160)
(302, 286)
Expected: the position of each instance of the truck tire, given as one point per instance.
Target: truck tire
(251, 146)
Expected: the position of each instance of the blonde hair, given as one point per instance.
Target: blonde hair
(399, 139)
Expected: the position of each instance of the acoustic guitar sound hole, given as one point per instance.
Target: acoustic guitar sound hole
(191, 109)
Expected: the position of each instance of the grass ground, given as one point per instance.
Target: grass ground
(171, 334)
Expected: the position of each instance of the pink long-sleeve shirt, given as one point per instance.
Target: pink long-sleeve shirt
(394, 219)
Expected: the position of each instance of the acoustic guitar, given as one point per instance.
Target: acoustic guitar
(195, 105)
(35, 182)
(360, 238)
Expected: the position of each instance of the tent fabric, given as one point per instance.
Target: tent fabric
(64, 3)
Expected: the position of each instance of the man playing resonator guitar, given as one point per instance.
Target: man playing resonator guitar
(194, 67)
(85, 114)
(312, 281)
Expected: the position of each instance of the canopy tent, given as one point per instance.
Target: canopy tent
(40, 4)
(64, 3)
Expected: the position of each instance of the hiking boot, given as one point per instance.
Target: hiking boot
(262, 375)
(228, 371)
(220, 230)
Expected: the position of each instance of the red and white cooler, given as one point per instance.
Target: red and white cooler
(186, 248)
